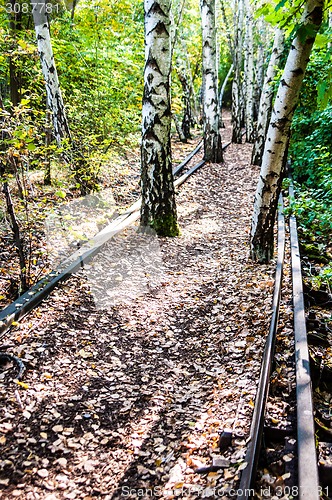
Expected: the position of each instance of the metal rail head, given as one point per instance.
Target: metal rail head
(256, 430)
(307, 460)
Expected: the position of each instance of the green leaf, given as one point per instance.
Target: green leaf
(324, 93)
(61, 194)
(322, 40)
(25, 102)
(280, 5)
(306, 31)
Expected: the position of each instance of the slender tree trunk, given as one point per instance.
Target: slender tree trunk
(276, 145)
(54, 98)
(227, 29)
(179, 128)
(211, 118)
(222, 90)
(158, 208)
(237, 98)
(249, 75)
(187, 111)
(259, 64)
(48, 140)
(75, 2)
(19, 243)
(14, 71)
(265, 104)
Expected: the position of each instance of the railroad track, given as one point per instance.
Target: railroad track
(41, 290)
(301, 478)
(305, 483)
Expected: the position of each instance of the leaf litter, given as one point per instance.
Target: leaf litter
(131, 400)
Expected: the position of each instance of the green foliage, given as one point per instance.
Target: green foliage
(23, 143)
(323, 278)
(284, 13)
(100, 60)
(311, 155)
(187, 54)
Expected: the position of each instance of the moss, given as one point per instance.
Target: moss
(166, 226)
(313, 252)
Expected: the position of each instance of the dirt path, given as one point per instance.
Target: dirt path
(127, 401)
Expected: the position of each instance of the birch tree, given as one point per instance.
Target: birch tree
(237, 100)
(265, 103)
(249, 74)
(183, 71)
(276, 144)
(158, 208)
(259, 64)
(54, 98)
(211, 115)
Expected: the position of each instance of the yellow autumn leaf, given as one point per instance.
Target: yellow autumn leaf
(21, 384)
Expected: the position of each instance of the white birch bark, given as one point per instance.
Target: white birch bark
(265, 103)
(262, 36)
(249, 74)
(211, 119)
(237, 97)
(276, 144)
(54, 98)
(158, 208)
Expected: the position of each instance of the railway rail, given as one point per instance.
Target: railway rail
(306, 482)
(41, 290)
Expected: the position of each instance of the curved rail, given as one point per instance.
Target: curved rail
(36, 294)
(256, 430)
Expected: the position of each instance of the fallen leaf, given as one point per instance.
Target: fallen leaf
(85, 354)
(243, 466)
(62, 462)
(21, 384)
(42, 473)
(57, 428)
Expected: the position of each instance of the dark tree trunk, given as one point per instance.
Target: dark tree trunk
(237, 91)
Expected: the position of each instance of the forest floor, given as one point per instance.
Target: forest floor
(126, 397)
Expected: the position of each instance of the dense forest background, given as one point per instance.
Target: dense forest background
(98, 49)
